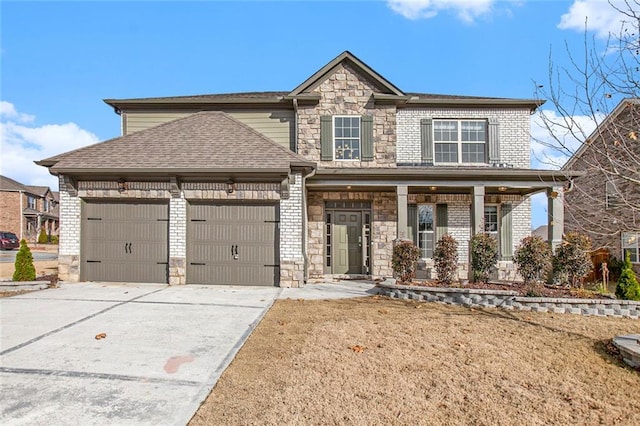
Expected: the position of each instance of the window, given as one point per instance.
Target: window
(459, 141)
(426, 230)
(612, 196)
(631, 246)
(346, 136)
(31, 202)
(491, 221)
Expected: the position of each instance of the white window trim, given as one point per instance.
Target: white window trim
(497, 232)
(459, 142)
(435, 225)
(333, 137)
(637, 245)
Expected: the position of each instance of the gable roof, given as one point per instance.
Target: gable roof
(350, 58)
(39, 190)
(613, 115)
(8, 184)
(204, 142)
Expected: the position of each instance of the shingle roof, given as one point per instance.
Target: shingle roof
(38, 190)
(204, 141)
(9, 184)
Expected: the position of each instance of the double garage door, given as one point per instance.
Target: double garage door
(226, 244)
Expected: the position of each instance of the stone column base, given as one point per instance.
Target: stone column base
(177, 271)
(292, 273)
(69, 268)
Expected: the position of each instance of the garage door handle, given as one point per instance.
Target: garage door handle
(127, 248)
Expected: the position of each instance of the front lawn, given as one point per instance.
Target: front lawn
(382, 361)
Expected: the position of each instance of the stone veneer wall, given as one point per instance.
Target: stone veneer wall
(510, 300)
(292, 260)
(383, 229)
(514, 124)
(345, 92)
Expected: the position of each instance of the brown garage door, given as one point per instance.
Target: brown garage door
(233, 244)
(125, 242)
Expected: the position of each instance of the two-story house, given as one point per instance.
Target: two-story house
(25, 209)
(604, 203)
(281, 187)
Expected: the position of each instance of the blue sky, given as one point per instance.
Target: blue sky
(60, 59)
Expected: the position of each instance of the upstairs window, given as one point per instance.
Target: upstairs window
(31, 202)
(612, 196)
(460, 141)
(346, 137)
(631, 246)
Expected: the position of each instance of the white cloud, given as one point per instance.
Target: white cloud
(23, 143)
(601, 17)
(466, 10)
(550, 149)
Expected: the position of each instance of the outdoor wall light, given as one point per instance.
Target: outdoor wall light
(502, 188)
(122, 186)
(231, 187)
(433, 188)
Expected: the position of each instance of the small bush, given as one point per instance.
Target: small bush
(42, 237)
(531, 258)
(405, 260)
(24, 269)
(445, 256)
(53, 239)
(484, 256)
(628, 287)
(572, 259)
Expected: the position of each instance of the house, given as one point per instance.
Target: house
(25, 209)
(604, 203)
(284, 187)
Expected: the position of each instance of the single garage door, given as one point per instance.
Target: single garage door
(233, 244)
(125, 242)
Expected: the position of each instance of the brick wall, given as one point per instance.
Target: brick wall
(10, 212)
(291, 256)
(514, 127)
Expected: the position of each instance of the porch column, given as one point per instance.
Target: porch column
(402, 192)
(477, 210)
(555, 215)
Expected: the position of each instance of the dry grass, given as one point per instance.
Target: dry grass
(380, 361)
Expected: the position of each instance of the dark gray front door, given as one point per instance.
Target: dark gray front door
(233, 244)
(124, 242)
(346, 245)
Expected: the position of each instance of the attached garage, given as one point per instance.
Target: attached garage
(125, 242)
(233, 244)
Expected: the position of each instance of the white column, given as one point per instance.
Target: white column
(402, 195)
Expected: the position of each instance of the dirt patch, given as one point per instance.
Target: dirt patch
(43, 267)
(522, 289)
(383, 361)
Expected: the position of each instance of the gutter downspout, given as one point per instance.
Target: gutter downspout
(304, 224)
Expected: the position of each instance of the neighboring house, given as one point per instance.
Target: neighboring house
(280, 187)
(605, 202)
(542, 232)
(24, 209)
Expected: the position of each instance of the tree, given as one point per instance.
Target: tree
(405, 261)
(43, 238)
(24, 269)
(484, 256)
(532, 257)
(572, 261)
(628, 286)
(593, 86)
(445, 257)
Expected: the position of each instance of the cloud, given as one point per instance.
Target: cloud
(550, 149)
(466, 10)
(601, 17)
(23, 143)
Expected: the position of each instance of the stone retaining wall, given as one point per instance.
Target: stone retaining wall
(510, 300)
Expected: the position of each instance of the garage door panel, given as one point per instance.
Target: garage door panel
(125, 242)
(216, 232)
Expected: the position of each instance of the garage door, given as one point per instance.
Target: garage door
(125, 242)
(234, 244)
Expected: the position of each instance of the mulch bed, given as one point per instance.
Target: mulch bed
(522, 289)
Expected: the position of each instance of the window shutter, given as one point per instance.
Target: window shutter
(326, 138)
(426, 134)
(494, 141)
(442, 219)
(506, 232)
(366, 127)
(412, 222)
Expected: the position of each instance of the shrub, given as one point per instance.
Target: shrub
(445, 256)
(484, 256)
(42, 237)
(628, 287)
(405, 260)
(24, 269)
(572, 261)
(53, 239)
(531, 257)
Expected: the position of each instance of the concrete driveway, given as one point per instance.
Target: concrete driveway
(165, 347)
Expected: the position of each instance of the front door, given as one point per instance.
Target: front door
(346, 245)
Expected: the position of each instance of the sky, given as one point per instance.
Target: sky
(59, 60)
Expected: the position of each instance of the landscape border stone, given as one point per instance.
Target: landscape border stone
(11, 286)
(510, 300)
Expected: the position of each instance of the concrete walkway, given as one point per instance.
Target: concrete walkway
(164, 350)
